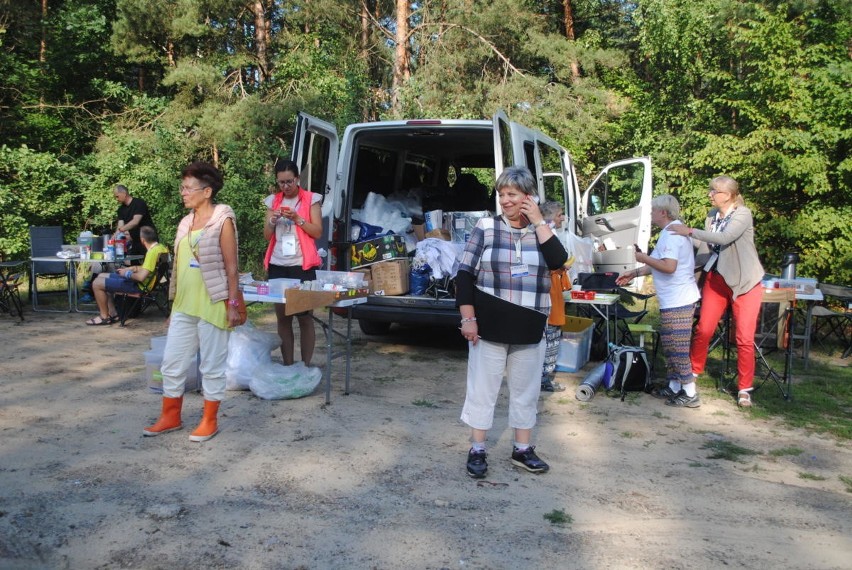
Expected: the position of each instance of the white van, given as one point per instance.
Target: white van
(385, 156)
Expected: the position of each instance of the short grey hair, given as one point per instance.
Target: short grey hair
(519, 177)
(668, 204)
(551, 209)
(121, 189)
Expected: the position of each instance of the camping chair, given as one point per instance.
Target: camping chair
(834, 322)
(11, 276)
(157, 295)
(621, 316)
(46, 241)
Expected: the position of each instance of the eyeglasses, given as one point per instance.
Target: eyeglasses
(284, 183)
(713, 192)
(186, 190)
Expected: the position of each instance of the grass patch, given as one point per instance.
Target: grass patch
(558, 517)
(846, 481)
(822, 394)
(726, 450)
(628, 434)
(811, 476)
(786, 451)
(424, 404)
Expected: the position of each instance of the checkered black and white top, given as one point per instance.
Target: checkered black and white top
(492, 251)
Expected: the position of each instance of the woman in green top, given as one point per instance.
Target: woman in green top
(204, 287)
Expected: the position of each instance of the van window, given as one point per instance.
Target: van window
(551, 166)
(620, 188)
(374, 172)
(313, 174)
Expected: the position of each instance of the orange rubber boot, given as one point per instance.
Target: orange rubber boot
(169, 417)
(208, 426)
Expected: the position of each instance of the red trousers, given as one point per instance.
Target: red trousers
(716, 296)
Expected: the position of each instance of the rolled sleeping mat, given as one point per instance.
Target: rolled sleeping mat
(591, 383)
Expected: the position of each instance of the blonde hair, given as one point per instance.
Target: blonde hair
(729, 185)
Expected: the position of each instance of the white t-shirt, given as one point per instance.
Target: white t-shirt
(286, 234)
(676, 289)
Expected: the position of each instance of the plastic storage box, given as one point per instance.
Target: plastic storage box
(153, 361)
(575, 344)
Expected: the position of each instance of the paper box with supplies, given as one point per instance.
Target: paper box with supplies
(390, 277)
(382, 248)
(299, 301)
(575, 345)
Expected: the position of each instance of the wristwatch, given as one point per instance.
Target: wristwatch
(541, 223)
(301, 222)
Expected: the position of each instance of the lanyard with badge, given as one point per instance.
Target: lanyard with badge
(288, 238)
(518, 268)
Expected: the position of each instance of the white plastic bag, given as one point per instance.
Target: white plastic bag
(275, 381)
(583, 251)
(248, 348)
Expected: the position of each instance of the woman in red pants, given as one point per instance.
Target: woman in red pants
(733, 275)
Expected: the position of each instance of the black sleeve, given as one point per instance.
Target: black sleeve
(554, 254)
(465, 283)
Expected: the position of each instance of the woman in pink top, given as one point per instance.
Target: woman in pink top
(293, 223)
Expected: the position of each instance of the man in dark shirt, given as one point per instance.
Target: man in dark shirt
(132, 214)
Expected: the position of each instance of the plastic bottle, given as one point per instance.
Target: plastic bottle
(120, 245)
(109, 251)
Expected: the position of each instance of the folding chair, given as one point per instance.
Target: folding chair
(11, 277)
(157, 295)
(46, 241)
(621, 316)
(833, 322)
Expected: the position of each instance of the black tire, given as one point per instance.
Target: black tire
(373, 327)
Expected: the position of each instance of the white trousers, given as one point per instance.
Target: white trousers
(186, 336)
(486, 364)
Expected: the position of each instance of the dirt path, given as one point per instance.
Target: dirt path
(376, 479)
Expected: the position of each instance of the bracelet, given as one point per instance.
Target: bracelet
(234, 302)
(468, 320)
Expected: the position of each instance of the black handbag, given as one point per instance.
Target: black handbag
(505, 322)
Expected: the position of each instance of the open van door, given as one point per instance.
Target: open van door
(503, 155)
(616, 212)
(315, 148)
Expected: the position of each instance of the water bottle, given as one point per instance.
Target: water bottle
(120, 245)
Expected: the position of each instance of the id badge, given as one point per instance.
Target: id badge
(193, 262)
(520, 270)
(709, 265)
(288, 245)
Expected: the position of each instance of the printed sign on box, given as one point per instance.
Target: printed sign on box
(378, 249)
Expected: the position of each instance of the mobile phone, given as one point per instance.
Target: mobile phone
(533, 197)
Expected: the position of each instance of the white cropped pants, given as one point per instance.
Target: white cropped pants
(486, 364)
(185, 337)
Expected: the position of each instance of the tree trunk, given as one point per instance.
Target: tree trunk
(568, 19)
(402, 57)
(42, 48)
(261, 39)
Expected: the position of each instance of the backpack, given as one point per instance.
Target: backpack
(627, 370)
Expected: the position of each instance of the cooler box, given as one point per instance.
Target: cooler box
(153, 361)
(575, 344)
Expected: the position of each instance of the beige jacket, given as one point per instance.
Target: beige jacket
(209, 253)
(738, 262)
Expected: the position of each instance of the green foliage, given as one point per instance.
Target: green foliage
(35, 190)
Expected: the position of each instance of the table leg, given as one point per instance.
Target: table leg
(348, 346)
(329, 354)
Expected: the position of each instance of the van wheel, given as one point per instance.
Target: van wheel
(373, 327)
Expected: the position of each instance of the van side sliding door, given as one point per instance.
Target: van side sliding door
(616, 212)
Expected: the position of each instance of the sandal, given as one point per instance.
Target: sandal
(744, 399)
(114, 319)
(99, 322)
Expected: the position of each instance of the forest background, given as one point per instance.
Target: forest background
(99, 92)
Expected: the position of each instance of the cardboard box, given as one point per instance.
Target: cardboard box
(382, 248)
(299, 301)
(575, 346)
(390, 277)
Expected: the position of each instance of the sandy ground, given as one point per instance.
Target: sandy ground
(377, 480)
